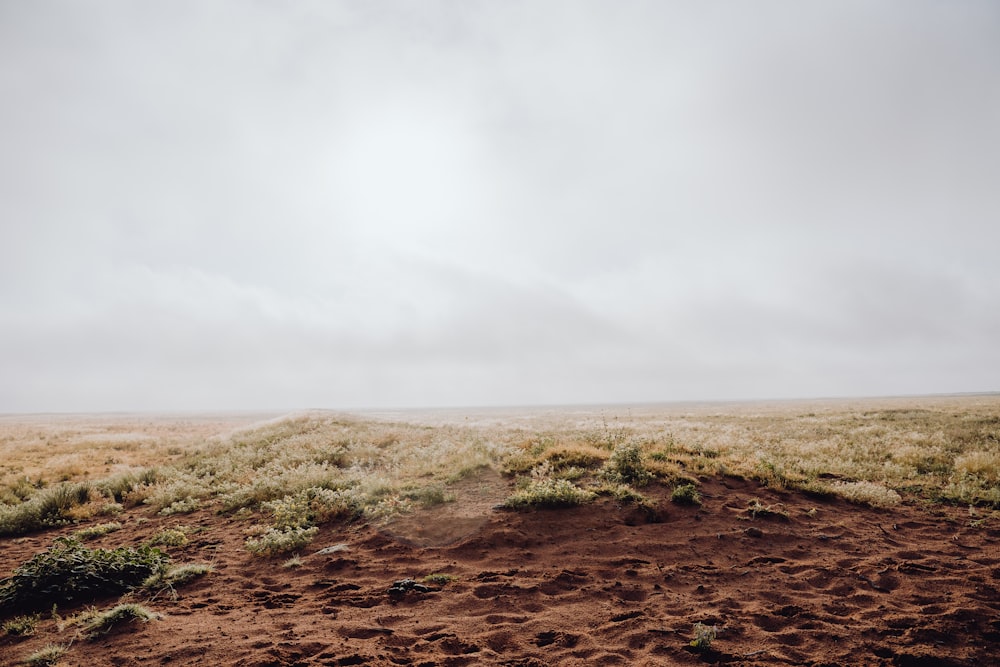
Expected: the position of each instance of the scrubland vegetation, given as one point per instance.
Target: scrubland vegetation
(288, 477)
(303, 471)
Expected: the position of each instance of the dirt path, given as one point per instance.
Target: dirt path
(831, 584)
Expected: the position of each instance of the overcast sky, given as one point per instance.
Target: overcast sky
(252, 204)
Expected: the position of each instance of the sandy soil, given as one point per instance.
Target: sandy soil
(833, 584)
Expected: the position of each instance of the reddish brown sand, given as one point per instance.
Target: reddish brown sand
(598, 585)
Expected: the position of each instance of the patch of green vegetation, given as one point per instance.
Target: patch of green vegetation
(44, 509)
(627, 466)
(686, 494)
(118, 486)
(276, 541)
(622, 493)
(70, 572)
(703, 636)
(549, 493)
(99, 530)
(294, 518)
(21, 626)
(439, 579)
(170, 537)
(47, 656)
(182, 506)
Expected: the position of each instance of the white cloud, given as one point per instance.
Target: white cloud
(332, 204)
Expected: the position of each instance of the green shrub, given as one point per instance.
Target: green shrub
(46, 508)
(118, 486)
(548, 493)
(69, 572)
(626, 466)
(686, 494)
(623, 493)
(704, 635)
(439, 579)
(280, 540)
(184, 506)
(169, 537)
(110, 509)
(312, 506)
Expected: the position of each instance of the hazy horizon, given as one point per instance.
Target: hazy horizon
(236, 206)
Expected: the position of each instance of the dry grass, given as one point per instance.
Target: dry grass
(305, 470)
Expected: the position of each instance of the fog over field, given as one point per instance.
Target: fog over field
(254, 205)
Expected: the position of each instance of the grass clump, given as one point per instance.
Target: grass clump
(97, 624)
(99, 530)
(313, 506)
(439, 579)
(292, 563)
(294, 518)
(626, 465)
(70, 572)
(183, 506)
(276, 541)
(46, 508)
(110, 509)
(170, 537)
(867, 493)
(703, 636)
(548, 493)
(21, 626)
(46, 656)
(686, 494)
(430, 496)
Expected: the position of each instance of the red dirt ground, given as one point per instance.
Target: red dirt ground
(597, 585)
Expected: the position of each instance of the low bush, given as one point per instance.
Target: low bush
(170, 537)
(626, 466)
(46, 508)
(183, 506)
(686, 494)
(69, 572)
(548, 493)
(280, 540)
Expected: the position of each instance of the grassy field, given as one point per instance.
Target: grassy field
(306, 469)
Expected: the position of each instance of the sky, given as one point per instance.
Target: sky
(251, 204)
